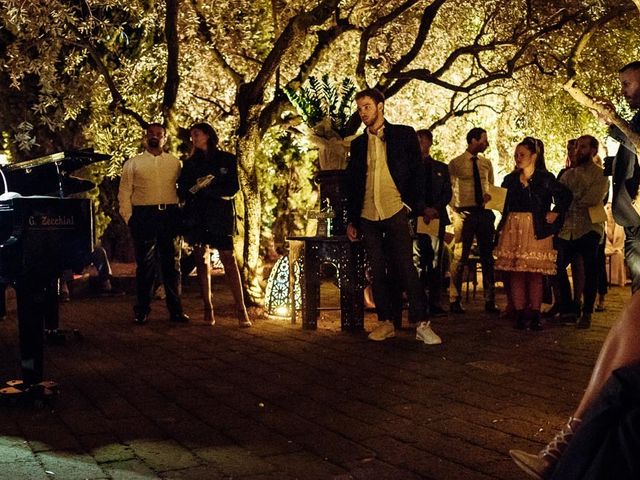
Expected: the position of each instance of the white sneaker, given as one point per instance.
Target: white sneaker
(383, 331)
(427, 335)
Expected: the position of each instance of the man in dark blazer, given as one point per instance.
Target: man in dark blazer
(626, 172)
(386, 177)
(438, 193)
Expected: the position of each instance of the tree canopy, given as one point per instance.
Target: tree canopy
(91, 73)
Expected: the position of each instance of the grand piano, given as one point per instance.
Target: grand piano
(42, 233)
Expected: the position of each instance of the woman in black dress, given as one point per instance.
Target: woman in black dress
(207, 184)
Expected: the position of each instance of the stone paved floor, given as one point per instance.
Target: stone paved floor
(275, 402)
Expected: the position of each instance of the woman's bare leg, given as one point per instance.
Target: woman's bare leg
(203, 269)
(235, 284)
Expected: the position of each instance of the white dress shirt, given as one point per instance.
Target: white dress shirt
(148, 179)
(382, 198)
(461, 172)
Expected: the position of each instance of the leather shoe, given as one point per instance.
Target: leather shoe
(179, 318)
(455, 307)
(437, 311)
(491, 307)
(584, 322)
(140, 319)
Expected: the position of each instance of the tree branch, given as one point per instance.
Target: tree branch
(204, 30)
(279, 103)
(426, 21)
(226, 111)
(601, 108)
(370, 31)
(512, 64)
(586, 36)
(580, 97)
(298, 25)
(172, 80)
(117, 102)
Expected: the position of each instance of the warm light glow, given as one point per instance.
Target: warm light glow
(277, 301)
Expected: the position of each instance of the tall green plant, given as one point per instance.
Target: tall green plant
(323, 99)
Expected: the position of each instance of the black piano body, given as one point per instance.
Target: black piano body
(40, 237)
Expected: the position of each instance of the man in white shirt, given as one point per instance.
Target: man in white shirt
(471, 177)
(149, 205)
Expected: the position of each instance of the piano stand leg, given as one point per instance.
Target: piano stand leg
(34, 304)
(31, 313)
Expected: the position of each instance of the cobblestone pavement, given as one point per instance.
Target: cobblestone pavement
(275, 402)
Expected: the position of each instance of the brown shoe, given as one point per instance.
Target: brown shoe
(542, 465)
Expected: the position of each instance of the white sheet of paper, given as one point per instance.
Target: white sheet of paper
(597, 214)
(498, 196)
(431, 228)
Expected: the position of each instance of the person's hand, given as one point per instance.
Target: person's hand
(352, 232)
(486, 198)
(430, 214)
(607, 113)
(551, 217)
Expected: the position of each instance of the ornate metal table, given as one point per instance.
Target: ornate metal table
(349, 259)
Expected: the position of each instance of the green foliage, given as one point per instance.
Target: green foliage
(285, 170)
(322, 99)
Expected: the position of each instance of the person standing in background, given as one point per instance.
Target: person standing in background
(471, 177)
(148, 202)
(207, 184)
(428, 251)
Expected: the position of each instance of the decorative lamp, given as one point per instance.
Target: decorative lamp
(278, 293)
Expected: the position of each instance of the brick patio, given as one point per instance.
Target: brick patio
(275, 402)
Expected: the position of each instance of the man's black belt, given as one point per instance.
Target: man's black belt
(473, 208)
(160, 206)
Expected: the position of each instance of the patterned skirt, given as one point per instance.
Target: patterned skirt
(519, 250)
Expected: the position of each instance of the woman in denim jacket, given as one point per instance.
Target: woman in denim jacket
(525, 246)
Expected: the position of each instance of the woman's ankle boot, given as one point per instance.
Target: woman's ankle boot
(534, 323)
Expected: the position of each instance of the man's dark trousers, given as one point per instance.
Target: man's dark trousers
(478, 222)
(632, 255)
(155, 230)
(390, 249)
(587, 247)
(431, 276)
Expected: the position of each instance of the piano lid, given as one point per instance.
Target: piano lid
(50, 175)
(67, 162)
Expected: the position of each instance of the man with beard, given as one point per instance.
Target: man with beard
(579, 235)
(387, 181)
(149, 205)
(471, 176)
(625, 172)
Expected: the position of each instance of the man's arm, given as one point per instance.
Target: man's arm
(618, 136)
(125, 191)
(416, 167)
(594, 191)
(446, 193)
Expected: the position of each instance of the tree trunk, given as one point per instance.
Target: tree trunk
(248, 145)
